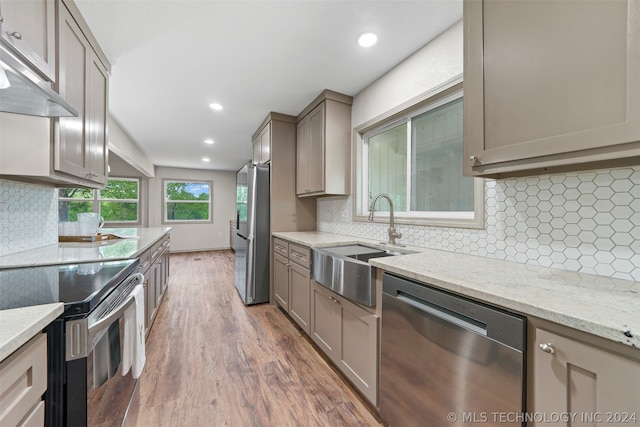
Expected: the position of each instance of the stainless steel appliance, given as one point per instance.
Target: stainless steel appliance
(85, 382)
(447, 360)
(24, 91)
(252, 233)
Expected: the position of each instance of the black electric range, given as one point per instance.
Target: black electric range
(87, 290)
(81, 287)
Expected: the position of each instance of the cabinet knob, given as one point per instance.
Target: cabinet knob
(473, 159)
(16, 35)
(547, 348)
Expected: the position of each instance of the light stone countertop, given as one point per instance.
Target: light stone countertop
(19, 325)
(602, 306)
(134, 243)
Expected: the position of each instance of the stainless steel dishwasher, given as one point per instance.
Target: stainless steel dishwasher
(447, 360)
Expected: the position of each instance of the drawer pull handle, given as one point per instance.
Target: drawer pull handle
(547, 348)
(16, 35)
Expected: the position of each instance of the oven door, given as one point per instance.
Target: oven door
(97, 392)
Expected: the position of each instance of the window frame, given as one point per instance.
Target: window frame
(443, 94)
(167, 221)
(95, 202)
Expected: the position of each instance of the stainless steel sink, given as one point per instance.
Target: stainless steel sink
(346, 270)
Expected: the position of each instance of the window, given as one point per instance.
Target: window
(119, 202)
(187, 201)
(417, 160)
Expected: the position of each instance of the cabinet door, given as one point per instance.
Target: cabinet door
(71, 153)
(310, 159)
(97, 120)
(599, 387)
(255, 156)
(29, 27)
(315, 165)
(81, 142)
(561, 96)
(325, 321)
(300, 295)
(281, 281)
(265, 144)
(358, 358)
(23, 380)
(302, 156)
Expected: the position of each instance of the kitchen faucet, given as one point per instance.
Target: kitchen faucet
(393, 234)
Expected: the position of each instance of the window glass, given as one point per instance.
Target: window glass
(437, 182)
(72, 201)
(388, 167)
(119, 201)
(417, 159)
(187, 201)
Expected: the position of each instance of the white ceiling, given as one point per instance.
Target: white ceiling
(172, 58)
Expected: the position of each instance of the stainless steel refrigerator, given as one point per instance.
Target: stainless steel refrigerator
(252, 233)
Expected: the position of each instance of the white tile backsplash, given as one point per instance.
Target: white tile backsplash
(28, 217)
(581, 221)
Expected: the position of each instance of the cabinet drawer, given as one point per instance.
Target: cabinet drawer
(300, 255)
(158, 248)
(281, 247)
(23, 380)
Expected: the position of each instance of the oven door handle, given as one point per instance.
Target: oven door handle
(104, 323)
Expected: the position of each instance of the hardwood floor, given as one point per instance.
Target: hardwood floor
(211, 361)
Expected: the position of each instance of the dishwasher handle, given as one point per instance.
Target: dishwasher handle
(499, 325)
(442, 313)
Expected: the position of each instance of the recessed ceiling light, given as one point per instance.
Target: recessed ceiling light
(216, 106)
(208, 141)
(206, 159)
(367, 40)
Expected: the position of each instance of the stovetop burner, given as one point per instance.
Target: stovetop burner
(79, 286)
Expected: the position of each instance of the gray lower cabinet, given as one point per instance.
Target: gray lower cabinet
(348, 334)
(300, 295)
(23, 381)
(565, 97)
(154, 265)
(588, 382)
(344, 331)
(281, 281)
(292, 280)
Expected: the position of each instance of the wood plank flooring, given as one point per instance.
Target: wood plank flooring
(211, 361)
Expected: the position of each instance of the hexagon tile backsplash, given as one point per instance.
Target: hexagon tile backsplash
(582, 221)
(28, 217)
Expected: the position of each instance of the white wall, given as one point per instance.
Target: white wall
(583, 221)
(197, 237)
(126, 149)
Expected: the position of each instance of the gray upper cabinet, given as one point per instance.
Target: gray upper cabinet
(66, 151)
(550, 85)
(81, 141)
(324, 146)
(262, 145)
(29, 27)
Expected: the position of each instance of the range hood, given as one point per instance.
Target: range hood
(23, 91)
